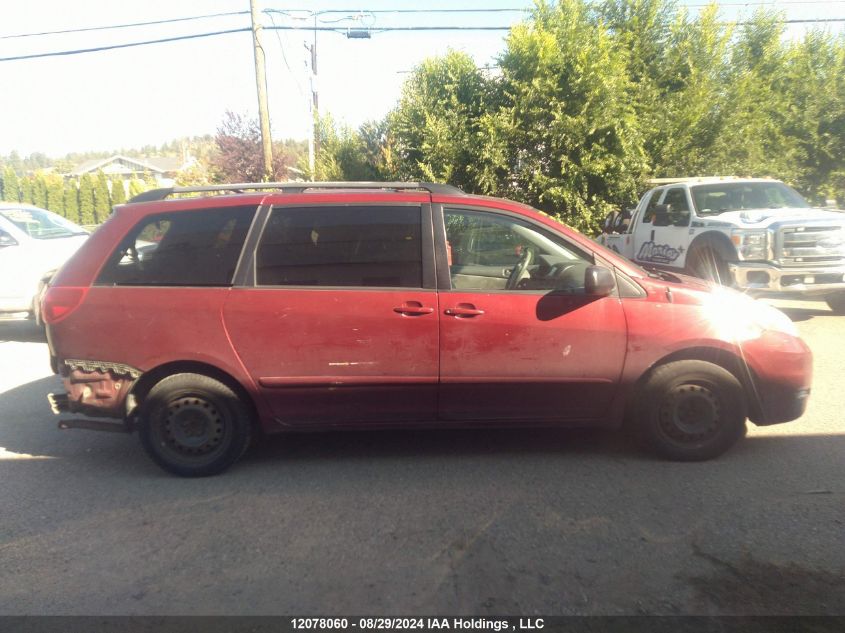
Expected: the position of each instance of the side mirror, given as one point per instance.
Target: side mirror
(598, 281)
(661, 215)
(610, 222)
(7, 240)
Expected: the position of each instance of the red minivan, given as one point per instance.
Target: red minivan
(201, 322)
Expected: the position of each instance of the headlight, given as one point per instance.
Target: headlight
(737, 317)
(751, 244)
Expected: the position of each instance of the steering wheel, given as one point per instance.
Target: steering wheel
(520, 271)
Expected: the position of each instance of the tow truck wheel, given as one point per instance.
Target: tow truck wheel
(836, 302)
(690, 410)
(706, 263)
(194, 426)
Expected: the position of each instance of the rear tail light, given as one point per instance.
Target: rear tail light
(60, 301)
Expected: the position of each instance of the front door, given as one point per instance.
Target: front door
(520, 339)
(339, 325)
(663, 235)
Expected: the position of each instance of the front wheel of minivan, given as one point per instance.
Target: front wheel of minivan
(194, 426)
(690, 410)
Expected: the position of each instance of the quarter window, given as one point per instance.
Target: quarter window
(187, 248)
(378, 246)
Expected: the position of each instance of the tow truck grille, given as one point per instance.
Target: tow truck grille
(811, 245)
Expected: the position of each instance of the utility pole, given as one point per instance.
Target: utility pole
(314, 137)
(261, 86)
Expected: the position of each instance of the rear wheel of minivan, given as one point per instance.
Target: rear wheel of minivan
(194, 426)
(690, 410)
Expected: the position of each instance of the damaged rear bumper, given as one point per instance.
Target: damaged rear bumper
(95, 388)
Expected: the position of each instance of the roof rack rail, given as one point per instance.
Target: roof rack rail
(297, 187)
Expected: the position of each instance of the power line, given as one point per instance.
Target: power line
(771, 3)
(318, 28)
(124, 26)
(285, 58)
(311, 13)
(97, 49)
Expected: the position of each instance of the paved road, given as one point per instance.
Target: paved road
(502, 522)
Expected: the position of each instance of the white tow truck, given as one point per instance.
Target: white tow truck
(757, 235)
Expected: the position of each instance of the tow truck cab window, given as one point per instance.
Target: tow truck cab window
(679, 215)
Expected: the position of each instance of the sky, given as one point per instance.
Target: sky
(149, 95)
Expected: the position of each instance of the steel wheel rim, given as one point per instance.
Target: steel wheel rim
(690, 413)
(193, 427)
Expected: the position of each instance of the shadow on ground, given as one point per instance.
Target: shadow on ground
(21, 331)
(805, 314)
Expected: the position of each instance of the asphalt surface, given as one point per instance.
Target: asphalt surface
(484, 522)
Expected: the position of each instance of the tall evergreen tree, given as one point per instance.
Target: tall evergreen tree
(118, 193)
(86, 200)
(11, 185)
(136, 186)
(39, 190)
(71, 200)
(26, 189)
(55, 194)
(102, 200)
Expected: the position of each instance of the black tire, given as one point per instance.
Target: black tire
(836, 302)
(705, 263)
(194, 426)
(690, 410)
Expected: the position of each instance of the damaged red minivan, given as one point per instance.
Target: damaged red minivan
(202, 322)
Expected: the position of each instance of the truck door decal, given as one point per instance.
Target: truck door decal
(659, 253)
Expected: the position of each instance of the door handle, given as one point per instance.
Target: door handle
(413, 308)
(463, 310)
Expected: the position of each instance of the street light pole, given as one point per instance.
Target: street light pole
(261, 86)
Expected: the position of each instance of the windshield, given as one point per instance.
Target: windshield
(41, 224)
(737, 196)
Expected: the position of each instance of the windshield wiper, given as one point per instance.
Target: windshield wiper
(659, 273)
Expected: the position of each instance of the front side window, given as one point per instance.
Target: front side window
(488, 251)
(187, 248)
(367, 246)
(679, 214)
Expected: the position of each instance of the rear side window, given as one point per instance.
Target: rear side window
(188, 248)
(341, 246)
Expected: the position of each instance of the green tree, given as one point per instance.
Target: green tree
(692, 83)
(102, 200)
(136, 186)
(435, 129)
(71, 200)
(344, 154)
(86, 200)
(26, 190)
(565, 137)
(814, 91)
(754, 139)
(39, 190)
(55, 194)
(118, 191)
(11, 185)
